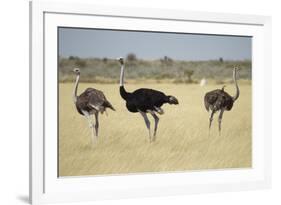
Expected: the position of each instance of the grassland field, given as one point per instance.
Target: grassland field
(183, 141)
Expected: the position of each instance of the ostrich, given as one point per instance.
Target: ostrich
(219, 100)
(91, 101)
(145, 101)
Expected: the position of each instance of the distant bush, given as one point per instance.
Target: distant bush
(131, 57)
(80, 63)
(163, 76)
(73, 58)
(63, 62)
(188, 74)
(108, 70)
(166, 60)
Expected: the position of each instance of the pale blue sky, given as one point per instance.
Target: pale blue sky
(86, 43)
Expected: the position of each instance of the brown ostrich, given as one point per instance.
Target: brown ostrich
(90, 102)
(219, 100)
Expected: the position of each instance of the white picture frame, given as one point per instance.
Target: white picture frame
(46, 187)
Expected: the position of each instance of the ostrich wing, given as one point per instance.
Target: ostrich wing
(147, 99)
(97, 99)
(210, 99)
(227, 101)
(218, 99)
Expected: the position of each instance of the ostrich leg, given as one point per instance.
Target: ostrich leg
(211, 119)
(97, 124)
(156, 119)
(91, 125)
(147, 123)
(220, 119)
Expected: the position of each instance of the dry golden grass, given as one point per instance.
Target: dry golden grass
(182, 140)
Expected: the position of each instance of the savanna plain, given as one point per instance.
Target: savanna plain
(183, 140)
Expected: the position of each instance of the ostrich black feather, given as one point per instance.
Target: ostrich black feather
(145, 101)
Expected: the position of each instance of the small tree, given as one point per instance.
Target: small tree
(131, 57)
(188, 74)
(167, 60)
(73, 57)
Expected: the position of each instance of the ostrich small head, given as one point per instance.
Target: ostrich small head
(76, 71)
(121, 60)
(173, 100)
(223, 87)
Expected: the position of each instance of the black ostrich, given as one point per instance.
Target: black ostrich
(145, 101)
(91, 101)
(219, 100)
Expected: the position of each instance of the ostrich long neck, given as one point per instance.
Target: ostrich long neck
(124, 94)
(236, 85)
(75, 88)
(122, 75)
